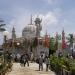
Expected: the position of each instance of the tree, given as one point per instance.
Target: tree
(52, 48)
(56, 45)
(58, 37)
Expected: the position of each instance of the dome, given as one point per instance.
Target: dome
(29, 31)
(30, 28)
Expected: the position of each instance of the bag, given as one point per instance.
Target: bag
(37, 61)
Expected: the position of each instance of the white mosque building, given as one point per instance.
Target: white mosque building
(29, 33)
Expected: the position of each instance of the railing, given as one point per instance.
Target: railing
(65, 71)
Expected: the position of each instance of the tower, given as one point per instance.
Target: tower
(63, 40)
(13, 34)
(38, 26)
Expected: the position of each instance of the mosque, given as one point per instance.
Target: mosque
(29, 33)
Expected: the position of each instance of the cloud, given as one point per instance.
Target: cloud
(21, 18)
(49, 20)
(51, 1)
(53, 18)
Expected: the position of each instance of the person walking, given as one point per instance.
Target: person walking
(47, 61)
(31, 57)
(21, 60)
(18, 57)
(25, 59)
(41, 63)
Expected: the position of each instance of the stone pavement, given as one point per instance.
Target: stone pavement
(18, 69)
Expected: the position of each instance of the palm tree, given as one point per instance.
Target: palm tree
(2, 26)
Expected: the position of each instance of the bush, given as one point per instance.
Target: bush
(2, 68)
(57, 64)
(72, 67)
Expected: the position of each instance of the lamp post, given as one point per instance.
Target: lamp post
(5, 33)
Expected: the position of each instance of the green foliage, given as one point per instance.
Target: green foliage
(52, 45)
(58, 62)
(71, 39)
(2, 66)
(5, 65)
(1, 58)
(72, 67)
(56, 45)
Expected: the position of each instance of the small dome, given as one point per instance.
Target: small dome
(38, 19)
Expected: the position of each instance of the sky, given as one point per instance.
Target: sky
(55, 14)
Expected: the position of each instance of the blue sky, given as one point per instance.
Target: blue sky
(55, 14)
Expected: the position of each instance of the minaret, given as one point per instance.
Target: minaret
(13, 34)
(38, 26)
(31, 21)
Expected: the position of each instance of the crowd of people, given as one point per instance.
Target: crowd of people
(25, 59)
(45, 60)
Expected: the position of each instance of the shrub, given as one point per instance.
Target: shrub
(57, 64)
(72, 67)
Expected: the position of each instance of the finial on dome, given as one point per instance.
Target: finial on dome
(31, 20)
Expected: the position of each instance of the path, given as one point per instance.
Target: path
(17, 69)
